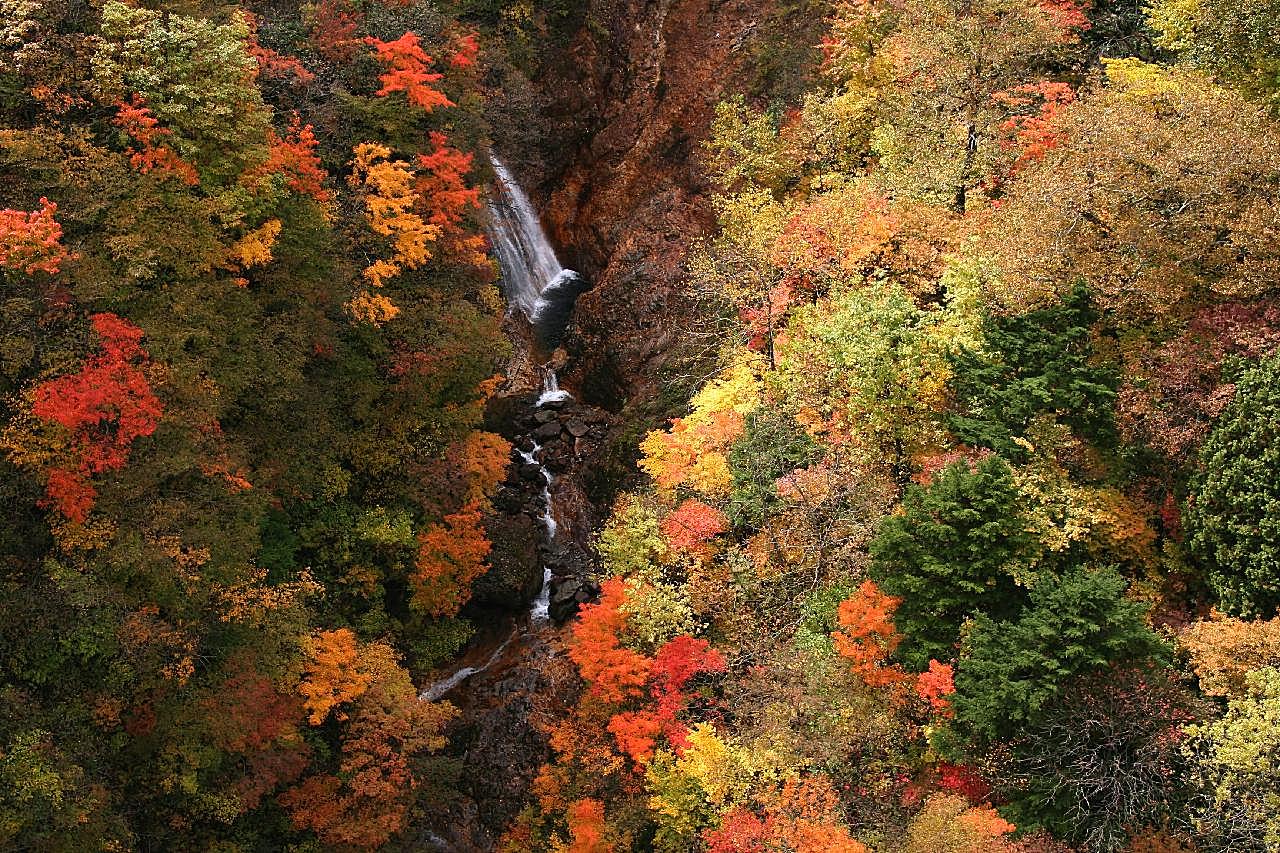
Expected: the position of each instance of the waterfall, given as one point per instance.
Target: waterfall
(440, 688)
(551, 392)
(533, 278)
(541, 610)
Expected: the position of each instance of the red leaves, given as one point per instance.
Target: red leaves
(31, 242)
(333, 31)
(273, 64)
(450, 557)
(406, 64)
(136, 120)
(294, 156)
(691, 525)
(106, 407)
(741, 831)
(963, 780)
(467, 50)
(868, 636)
(934, 685)
(1037, 133)
(1068, 16)
(613, 673)
(676, 663)
(443, 195)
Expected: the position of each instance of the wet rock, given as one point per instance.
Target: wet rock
(577, 428)
(514, 574)
(532, 473)
(542, 416)
(548, 431)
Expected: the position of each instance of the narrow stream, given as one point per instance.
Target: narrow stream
(537, 285)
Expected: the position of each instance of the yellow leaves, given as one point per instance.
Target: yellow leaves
(372, 308)
(389, 199)
(947, 824)
(709, 759)
(254, 248)
(252, 600)
(331, 676)
(693, 452)
(1140, 80)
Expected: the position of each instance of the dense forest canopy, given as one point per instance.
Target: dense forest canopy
(966, 539)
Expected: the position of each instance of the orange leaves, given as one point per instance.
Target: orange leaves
(613, 673)
(136, 120)
(1037, 133)
(441, 186)
(406, 65)
(586, 826)
(801, 818)
(636, 733)
(332, 676)
(450, 557)
(367, 802)
(482, 458)
(31, 242)
(295, 157)
(273, 64)
(465, 51)
(868, 636)
(935, 685)
(444, 198)
(692, 525)
(106, 407)
(389, 201)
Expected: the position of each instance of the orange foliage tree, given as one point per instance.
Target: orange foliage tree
(31, 242)
(294, 156)
(332, 676)
(333, 30)
(368, 801)
(613, 673)
(868, 637)
(586, 827)
(450, 557)
(407, 64)
(151, 154)
(273, 64)
(934, 685)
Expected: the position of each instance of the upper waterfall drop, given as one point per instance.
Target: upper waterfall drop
(532, 276)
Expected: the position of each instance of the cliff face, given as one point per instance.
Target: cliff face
(624, 188)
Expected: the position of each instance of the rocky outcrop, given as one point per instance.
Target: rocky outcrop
(624, 193)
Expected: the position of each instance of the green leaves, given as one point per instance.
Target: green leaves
(1039, 362)
(1233, 515)
(1073, 625)
(949, 555)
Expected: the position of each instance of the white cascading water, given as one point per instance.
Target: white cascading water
(551, 391)
(541, 609)
(531, 272)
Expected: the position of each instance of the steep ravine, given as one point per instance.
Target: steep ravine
(620, 189)
(620, 181)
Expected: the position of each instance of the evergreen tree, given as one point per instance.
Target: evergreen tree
(1233, 519)
(1073, 625)
(949, 555)
(1031, 364)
